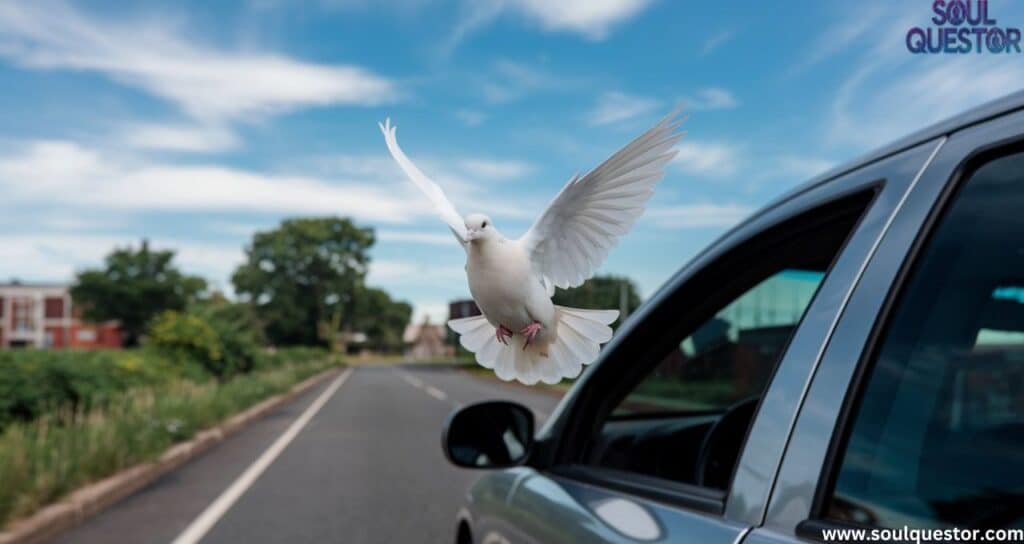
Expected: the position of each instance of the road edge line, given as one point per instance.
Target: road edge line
(53, 520)
(223, 503)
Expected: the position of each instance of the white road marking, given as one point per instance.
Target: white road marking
(435, 392)
(202, 524)
(412, 380)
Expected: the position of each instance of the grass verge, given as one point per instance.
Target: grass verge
(42, 460)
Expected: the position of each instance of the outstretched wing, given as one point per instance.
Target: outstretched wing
(574, 234)
(444, 207)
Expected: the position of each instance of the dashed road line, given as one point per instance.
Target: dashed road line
(435, 392)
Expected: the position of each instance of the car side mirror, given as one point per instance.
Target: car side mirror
(493, 434)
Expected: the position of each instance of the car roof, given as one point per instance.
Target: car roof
(996, 108)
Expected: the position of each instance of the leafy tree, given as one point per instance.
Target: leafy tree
(382, 319)
(132, 287)
(601, 293)
(303, 277)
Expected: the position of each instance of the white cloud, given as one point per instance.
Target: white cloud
(512, 80)
(802, 168)
(494, 168)
(406, 273)
(68, 176)
(616, 107)
(471, 118)
(64, 173)
(464, 179)
(192, 138)
(713, 159)
(711, 98)
(890, 92)
(850, 29)
(205, 82)
(592, 19)
(419, 237)
(698, 215)
(57, 257)
(715, 41)
(913, 95)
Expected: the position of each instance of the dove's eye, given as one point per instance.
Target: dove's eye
(484, 225)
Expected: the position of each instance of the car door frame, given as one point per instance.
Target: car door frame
(569, 428)
(807, 466)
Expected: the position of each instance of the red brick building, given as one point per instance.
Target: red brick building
(42, 316)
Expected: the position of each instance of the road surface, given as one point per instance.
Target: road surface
(367, 467)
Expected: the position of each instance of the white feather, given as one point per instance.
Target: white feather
(580, 335)
(574, 234)
(444, 207)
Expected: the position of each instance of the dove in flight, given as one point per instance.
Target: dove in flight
(522, 335)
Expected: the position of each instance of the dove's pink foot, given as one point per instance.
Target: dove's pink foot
(503, 333)
(530, 332)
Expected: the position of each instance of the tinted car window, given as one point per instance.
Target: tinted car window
(937, 437)
(730, 356)
(685, 419)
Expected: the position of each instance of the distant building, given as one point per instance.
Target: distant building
(426, 341)
(462, 308)
(42, 316)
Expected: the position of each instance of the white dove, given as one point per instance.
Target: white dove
(522, 335)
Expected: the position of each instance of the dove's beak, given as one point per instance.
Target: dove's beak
(472, 234)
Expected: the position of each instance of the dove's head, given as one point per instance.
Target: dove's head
(479, 227)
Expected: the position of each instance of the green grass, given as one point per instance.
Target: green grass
(44, 459)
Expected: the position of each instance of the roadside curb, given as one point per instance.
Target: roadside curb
(92, 499)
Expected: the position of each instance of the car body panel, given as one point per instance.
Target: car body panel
(802, 469)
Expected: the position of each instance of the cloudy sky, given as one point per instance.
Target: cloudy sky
(195, 125)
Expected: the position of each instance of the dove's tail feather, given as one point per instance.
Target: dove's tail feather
(580, 334)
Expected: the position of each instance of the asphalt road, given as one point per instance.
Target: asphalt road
(367, 467)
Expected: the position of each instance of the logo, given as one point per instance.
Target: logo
(963, 27)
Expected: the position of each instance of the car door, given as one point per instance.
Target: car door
(914, 420)
(652, 444)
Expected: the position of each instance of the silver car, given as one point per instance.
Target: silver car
(847, 364)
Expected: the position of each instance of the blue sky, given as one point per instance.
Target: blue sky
(195, 124)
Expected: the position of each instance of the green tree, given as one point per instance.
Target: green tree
(303, 277)
(132, 287)
(382, 319)
(601, 293)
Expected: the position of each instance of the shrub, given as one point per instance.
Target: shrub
(239, 332)
(223, 339)
(188, 338)
(36, 382)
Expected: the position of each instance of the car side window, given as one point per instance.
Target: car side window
(936, 435)
(729, 357)
(685, 420)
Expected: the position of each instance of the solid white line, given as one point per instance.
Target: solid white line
(202, 524)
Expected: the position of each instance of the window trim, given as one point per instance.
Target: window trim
(811, 527)
(567, 451)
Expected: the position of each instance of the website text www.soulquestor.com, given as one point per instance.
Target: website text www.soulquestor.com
(918, 536)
